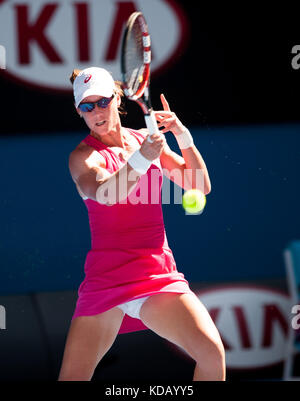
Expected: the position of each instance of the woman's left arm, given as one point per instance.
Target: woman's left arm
(189, 170)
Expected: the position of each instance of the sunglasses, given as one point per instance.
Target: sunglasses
(102, 103)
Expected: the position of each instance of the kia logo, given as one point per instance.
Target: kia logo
(253, 322)
(45, 40)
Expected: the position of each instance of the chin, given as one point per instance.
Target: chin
(100, 130)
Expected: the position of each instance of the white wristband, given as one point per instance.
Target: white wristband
(139, 163)
(185, 140)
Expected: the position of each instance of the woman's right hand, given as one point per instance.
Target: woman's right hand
(152, 150)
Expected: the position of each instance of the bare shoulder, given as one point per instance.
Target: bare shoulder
(84, 157)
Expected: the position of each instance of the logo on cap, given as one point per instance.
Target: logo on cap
(87, 78)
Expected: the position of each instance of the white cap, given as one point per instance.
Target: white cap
(93, 81)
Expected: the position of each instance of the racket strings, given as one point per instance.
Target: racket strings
(134, 59)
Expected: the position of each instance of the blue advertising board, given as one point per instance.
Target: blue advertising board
(251, 213)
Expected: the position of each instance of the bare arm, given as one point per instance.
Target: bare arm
(193, 170)
(183, 170)
(88, 171)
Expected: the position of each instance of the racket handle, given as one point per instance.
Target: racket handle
(151, 125)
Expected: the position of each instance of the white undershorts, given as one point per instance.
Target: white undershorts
(132, 308)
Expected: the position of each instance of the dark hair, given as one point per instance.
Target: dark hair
(119, 89)
(74, 75)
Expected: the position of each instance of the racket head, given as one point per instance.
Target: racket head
(136, 57)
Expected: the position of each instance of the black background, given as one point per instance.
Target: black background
(235, 69)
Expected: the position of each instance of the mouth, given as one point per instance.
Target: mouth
(100, 123)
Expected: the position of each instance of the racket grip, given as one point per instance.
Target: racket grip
(151, 125)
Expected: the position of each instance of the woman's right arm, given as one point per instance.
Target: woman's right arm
(87, 168)
(88, 171)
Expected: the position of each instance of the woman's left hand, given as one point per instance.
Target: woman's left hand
(168, 120)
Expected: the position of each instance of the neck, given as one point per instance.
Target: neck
(115, 137)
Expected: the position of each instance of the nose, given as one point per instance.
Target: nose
(97, 109)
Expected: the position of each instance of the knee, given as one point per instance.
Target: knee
(74, 377)
(210, 358)
(216, 353)
(74, 374)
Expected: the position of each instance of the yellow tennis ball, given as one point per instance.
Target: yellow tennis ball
(193, 201)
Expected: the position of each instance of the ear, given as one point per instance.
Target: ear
(118, 97)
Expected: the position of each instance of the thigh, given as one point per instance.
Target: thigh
(89, 338)
(181, 319)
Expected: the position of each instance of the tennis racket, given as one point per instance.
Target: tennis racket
(135, 67)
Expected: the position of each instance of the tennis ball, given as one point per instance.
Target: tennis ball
(193, 201)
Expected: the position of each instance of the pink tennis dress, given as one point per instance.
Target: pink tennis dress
(129, 257)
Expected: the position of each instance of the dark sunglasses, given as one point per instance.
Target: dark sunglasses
(102, 103)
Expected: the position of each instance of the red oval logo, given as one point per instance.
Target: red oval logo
(253, 322)
(87, 78)
(42, 49)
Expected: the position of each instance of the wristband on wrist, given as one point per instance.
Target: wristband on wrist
(185, 140)
(139, 163)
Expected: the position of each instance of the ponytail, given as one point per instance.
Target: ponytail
(74, 75)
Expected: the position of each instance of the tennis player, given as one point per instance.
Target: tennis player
(131, 280)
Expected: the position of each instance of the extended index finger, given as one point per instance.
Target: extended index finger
(164, 102)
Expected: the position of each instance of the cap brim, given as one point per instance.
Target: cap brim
(95, 91)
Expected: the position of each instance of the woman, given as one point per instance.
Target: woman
(131, 280)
